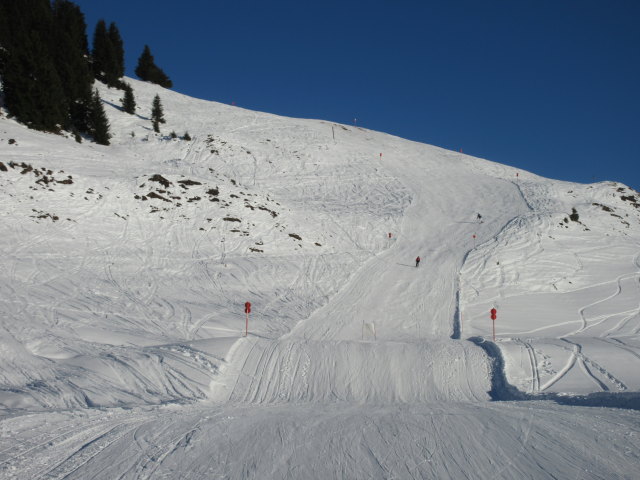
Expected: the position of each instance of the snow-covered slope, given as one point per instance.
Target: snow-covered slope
(125, 269)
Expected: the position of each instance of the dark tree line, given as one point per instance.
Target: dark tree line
(47, 80)
(32, 85)
(47, 71)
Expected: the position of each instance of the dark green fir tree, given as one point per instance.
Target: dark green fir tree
(117, 46)
(145, 64)
(32, 88)
(101, 55)
(69, 17)
(128, 100)
(99, 125)
(108, 54)
(70, 56)
(157, 114)
(148, 71)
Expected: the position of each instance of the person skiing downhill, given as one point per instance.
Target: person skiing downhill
(417, 261)
(479, 217)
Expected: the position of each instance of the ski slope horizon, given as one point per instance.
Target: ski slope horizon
(125, 270)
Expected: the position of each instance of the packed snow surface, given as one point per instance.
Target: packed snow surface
(125, 270)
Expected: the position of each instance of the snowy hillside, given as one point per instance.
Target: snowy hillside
(125, 269)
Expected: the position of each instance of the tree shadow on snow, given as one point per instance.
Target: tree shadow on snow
(119, 108)
(111, 104)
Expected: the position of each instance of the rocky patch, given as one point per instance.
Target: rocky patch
(43, 176)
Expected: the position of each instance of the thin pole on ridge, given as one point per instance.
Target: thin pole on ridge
(247, 311)
(494, 315)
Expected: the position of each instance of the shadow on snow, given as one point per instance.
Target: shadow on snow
(502, 390)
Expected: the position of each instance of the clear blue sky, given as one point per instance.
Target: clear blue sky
(550, 86)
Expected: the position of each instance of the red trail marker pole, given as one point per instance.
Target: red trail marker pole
(494, 315)
(247, 310)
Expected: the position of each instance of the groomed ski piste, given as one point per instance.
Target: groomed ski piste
(125, 269)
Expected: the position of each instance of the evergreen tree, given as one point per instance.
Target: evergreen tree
(70, 43)
(101, 55)
(148, 71)
(4, 26)
(157, 114)
(118, 51)
(161, 78)
(98, 123)
(145, 64)
(128, 100)
(108, 54)
(69, 17)
(31, 85)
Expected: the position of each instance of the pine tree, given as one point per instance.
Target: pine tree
(69, 45)
(108, 54)
(145, 63)
(100, 55)
(69, 17)
(128, 100)
(31, 85)
(157, 114)
(98, 123)
(148, 71)
(118, 51)
(5, 31)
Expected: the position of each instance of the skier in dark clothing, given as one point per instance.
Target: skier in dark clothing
(479, 218)
(417, 261)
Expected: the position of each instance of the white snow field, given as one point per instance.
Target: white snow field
(125, 269)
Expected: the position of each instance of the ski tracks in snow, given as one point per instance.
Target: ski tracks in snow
(609, 313)
(533, 364)
(621, 281)
(60, 451)
(598, 374)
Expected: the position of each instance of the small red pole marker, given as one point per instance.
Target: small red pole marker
(474, 240)
(493, 321)
(247, 310)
